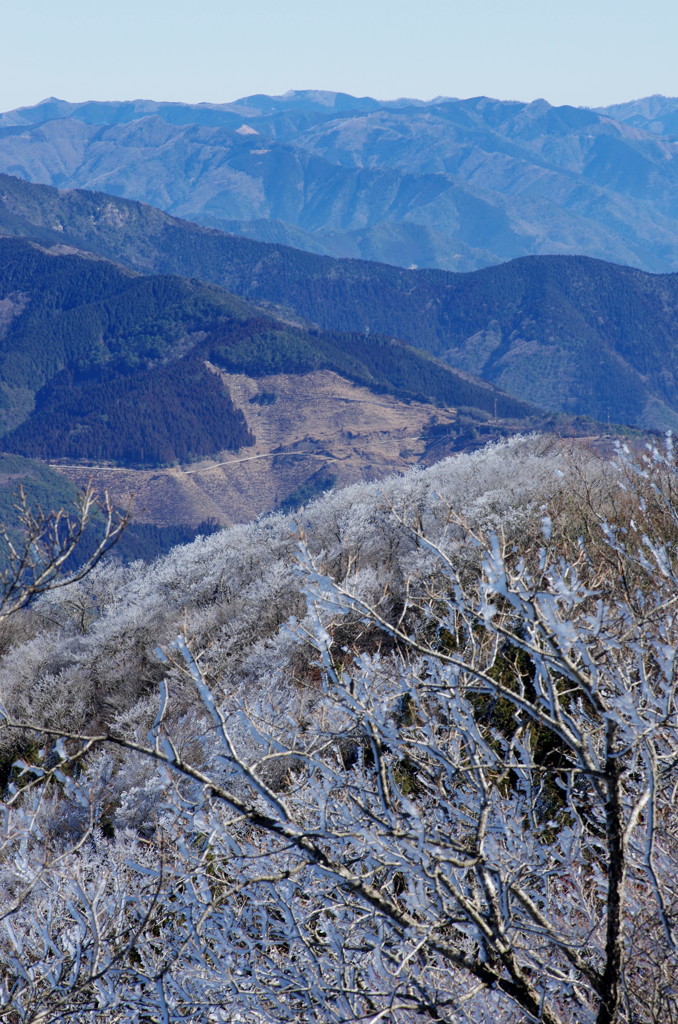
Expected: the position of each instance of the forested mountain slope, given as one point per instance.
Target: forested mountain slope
(95, 362)
(570, 334)
(100, 363)
(455, 184)
(198, 408)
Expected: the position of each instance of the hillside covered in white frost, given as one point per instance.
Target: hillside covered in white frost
(87, 654)
(407, 754)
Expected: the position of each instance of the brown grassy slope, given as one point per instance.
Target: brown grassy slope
(317, 420)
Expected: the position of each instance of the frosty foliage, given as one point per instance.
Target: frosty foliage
(409, 754)
(93, 652)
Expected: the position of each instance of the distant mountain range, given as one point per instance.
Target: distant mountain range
(452, 184)
(570, 334)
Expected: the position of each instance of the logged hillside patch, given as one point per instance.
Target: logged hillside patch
(97, 362)
(381, 363)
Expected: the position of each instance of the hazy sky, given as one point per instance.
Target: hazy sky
(590, 52)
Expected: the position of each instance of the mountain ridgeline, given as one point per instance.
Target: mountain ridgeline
(451, 184)
(571, 334)
(100, 363)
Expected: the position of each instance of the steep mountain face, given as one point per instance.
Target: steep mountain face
(456, 184)
(571, 334)
(70, 313)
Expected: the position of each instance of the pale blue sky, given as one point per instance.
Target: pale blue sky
(589, 52)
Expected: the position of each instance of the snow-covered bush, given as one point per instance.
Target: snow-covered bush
(413, 756)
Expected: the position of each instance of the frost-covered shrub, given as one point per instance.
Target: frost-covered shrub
(95, 654)
(415, 760)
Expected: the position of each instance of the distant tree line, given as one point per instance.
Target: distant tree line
(173, 413)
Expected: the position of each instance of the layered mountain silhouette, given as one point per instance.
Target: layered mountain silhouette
(657, 114)
(454, 184)
(570, 334)
(100, 363)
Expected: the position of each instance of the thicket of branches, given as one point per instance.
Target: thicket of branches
(408, 755)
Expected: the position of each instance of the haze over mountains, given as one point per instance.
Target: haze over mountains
(454, 184)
